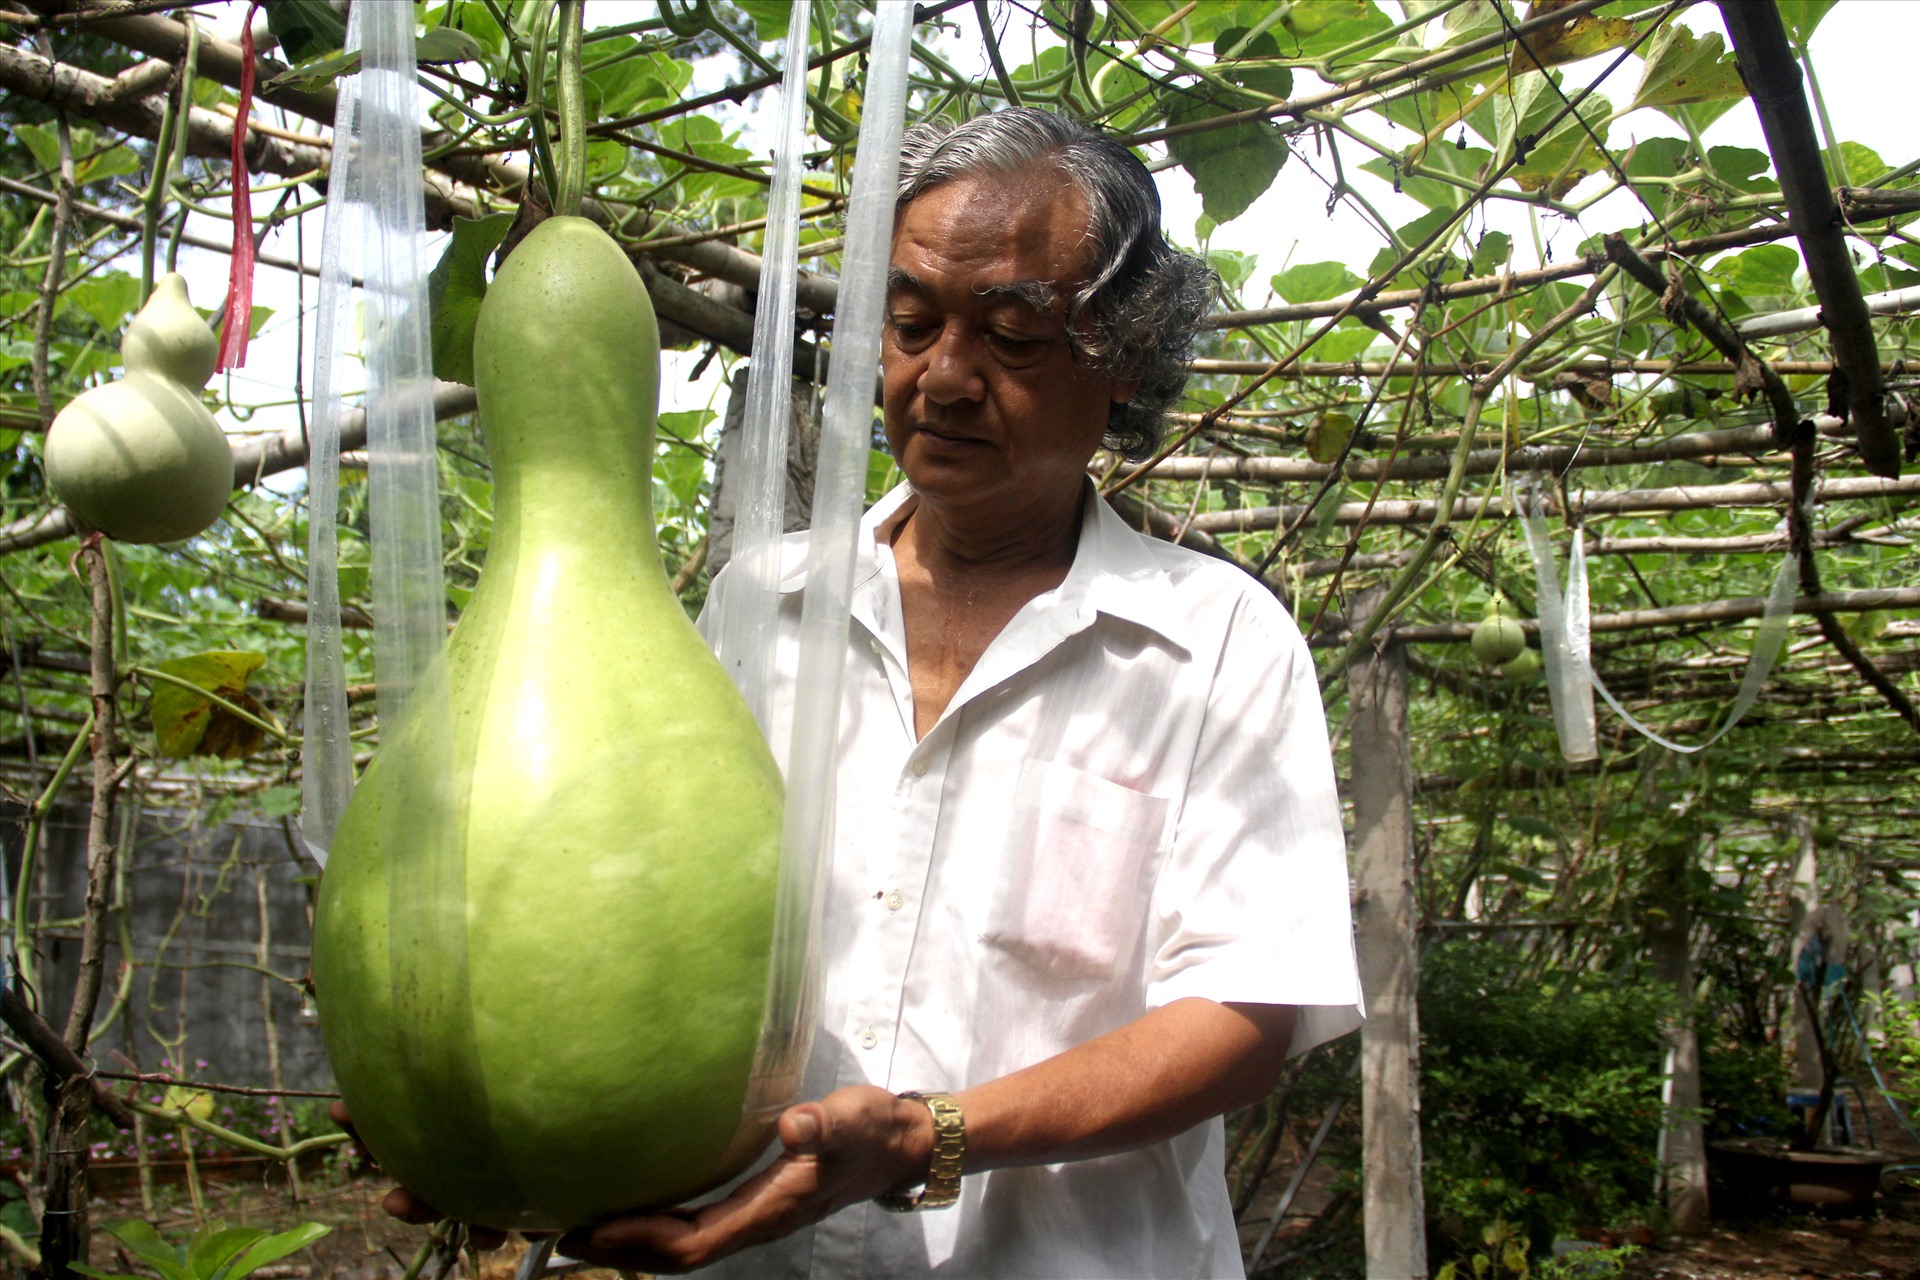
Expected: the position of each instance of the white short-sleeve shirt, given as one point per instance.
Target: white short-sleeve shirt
(1129, 801)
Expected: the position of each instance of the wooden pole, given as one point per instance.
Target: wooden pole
(1395, 1203)
(1683, 1139)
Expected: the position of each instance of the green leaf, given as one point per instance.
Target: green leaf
(278, 801)
(1324, 26)
(1682, 67)
(108, 298)
(1233, 48)
(1763, 271)
(146, 1245)
(1315, 282)
(1800, 18)
(319, 73)
(1231, 166)
(448, 44)
(455, 288)
(1493, 252)
(1344, 342)
(1863, 164)
(1234, 268)
(305, 28)
(685, 424)
(275, 1247)
(186, 724)
(1743, 167)
(91, 161)
(211, 1249)
(769, 17)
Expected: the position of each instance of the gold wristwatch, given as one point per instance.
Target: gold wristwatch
(942, 1187)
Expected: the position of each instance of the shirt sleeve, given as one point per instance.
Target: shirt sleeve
(1252, 904)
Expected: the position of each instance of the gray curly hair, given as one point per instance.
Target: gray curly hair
(1136, 317)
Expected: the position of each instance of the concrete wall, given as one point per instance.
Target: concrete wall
(195, 923)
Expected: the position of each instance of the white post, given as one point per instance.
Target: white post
(1395, 1203)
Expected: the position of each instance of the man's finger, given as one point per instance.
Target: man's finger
(404, 1205)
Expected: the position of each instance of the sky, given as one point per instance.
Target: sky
(1864, 46)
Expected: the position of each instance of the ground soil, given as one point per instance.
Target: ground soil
(1883, 1244)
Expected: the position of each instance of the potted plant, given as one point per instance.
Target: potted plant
(1805, 1170)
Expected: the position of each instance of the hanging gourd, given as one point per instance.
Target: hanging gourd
(141, 459)
(542, 967)
(1498, 639)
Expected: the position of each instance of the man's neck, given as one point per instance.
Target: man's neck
(945, 543)
(960, 586)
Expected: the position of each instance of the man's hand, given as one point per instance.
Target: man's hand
(852, 1145)
(403, 1204)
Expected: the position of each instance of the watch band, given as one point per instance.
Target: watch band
(942, 1187)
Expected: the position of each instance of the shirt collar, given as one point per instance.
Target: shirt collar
(1114, 572)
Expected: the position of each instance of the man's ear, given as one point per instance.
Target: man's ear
(1123, 391)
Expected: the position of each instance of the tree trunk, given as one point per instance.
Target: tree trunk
(63, 1222)
(1395, 1203)
(803, 448)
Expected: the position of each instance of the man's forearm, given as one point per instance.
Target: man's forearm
(1156, 1077)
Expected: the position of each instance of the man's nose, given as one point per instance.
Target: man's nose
(952, 372)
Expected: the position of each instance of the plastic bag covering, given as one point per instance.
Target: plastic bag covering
(753, 589)
(375, 222)
(839, 488)
(1768, 640)
(1560, 632)
(326, 750)
(426, 885)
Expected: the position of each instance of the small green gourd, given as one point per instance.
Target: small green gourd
(1523, 668)
(541, 967)
(140, 459)
(1498, 639)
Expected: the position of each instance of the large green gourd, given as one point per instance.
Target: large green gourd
(541, 964)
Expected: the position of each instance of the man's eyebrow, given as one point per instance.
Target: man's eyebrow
(1040, 295)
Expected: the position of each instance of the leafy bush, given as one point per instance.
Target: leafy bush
(1540, 1096)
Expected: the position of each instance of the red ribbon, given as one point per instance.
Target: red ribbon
(239, 316)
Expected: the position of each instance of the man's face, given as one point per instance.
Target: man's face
(985, 404)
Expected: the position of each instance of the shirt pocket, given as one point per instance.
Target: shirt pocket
(1072, 893)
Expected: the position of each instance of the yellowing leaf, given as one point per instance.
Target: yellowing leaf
(1576, 38)
(1682, 67)
(185, 723)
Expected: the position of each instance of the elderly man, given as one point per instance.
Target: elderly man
(1089, 883)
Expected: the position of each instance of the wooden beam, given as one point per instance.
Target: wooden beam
(1588, 502)
(1747, 442)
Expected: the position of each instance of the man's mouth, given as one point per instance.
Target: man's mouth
(947, 435)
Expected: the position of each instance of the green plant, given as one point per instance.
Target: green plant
(1898, 1056)
(1540, 1097)
(217, 1252)
(1506, 1256)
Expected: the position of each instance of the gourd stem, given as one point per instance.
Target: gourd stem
(537, 94)
(572, 159)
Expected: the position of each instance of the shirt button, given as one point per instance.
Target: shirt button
(894, 901)
(867, 1038)
(873, 644)
(919, 768)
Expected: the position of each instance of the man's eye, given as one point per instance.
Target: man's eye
(1018, 344)
(910, 330)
